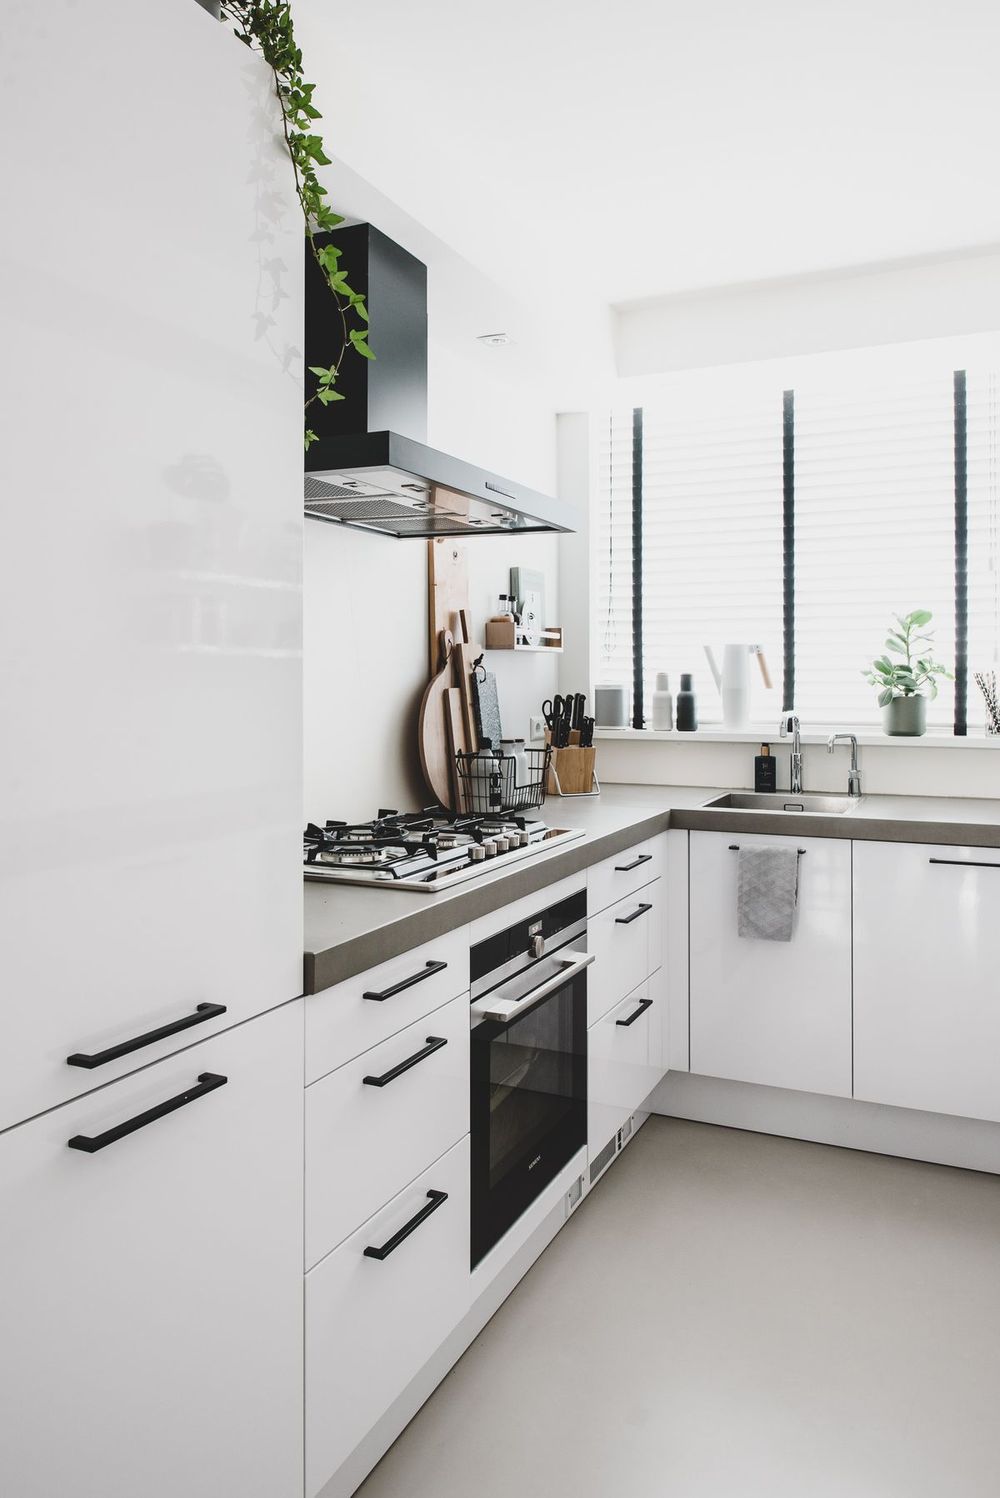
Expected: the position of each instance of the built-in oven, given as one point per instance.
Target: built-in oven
(528, 1062)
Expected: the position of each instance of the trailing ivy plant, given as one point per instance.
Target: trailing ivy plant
(266, 27)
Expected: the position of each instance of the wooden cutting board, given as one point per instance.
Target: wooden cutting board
(454, 714)
(447, 589)
(432, 731)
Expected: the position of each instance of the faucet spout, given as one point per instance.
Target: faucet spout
(790, 721)
(853, 774)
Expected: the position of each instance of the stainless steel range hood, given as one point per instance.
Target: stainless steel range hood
(363, 471)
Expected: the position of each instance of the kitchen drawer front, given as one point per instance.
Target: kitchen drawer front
(341, 1022)
(624, 939)
(622, 1063)
(371, 1324)
(613, 878)
(364, 1143)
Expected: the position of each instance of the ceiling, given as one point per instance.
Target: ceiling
(581, 154)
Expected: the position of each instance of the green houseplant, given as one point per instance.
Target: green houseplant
(905, 684)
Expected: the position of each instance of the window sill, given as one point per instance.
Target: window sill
(767, 734)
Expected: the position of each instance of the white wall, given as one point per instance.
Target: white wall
(894, 303)
(365, 627)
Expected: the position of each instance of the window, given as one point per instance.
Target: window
(801, 519)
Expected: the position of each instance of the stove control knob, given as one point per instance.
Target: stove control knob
(524, 838)
(477, 853)
(538, 946)
(502, 844)
(490, 848)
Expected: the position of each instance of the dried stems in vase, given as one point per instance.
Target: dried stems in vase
(986, 681)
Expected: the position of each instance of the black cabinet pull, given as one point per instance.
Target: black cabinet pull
(626, 868)
(101, 1058)
(90, 1144)
(644, 1004)
(964, 863)
(434, 1043)
(427, 971)
(626, 920)
(435, 1199)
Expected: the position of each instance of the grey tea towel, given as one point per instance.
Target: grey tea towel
(767, 892)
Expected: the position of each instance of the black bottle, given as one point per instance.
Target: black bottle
(687, 707)
(765, 770)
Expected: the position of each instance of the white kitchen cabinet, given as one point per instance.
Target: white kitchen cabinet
(623, 1063)
(373, 1322)
(777, 1013)
(151, 1300)
(627, 942)
(379, 1121)
(926, 990)
(150, 558)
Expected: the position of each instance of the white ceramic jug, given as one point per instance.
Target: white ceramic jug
(733, 681)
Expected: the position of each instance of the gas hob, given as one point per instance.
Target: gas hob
(424, 851)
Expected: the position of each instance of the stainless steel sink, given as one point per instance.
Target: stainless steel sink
(784, 801)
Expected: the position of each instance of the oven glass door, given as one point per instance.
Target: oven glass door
(528, 1106)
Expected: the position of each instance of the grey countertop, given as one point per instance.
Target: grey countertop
(350, 928)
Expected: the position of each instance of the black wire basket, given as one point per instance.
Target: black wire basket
(491, 783)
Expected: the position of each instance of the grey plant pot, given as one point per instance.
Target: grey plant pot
(905, 717)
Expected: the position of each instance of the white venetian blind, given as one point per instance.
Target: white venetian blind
(874, 535)
(983, 418)
(612, 545)
(712, 539)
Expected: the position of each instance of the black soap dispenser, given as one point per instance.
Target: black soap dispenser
(687, 708)
(765, 770)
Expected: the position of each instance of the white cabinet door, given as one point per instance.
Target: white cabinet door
(778, 1013)
(376, 1123)
(372, 1322)
(151, 1299)
(927, 977)
(150, 547)
(623, 1051)
(623, 873)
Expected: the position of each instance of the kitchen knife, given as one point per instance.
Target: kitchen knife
(563, 725)
(579, 704)
(587, 733)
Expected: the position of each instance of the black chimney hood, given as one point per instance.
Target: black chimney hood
(370, 467)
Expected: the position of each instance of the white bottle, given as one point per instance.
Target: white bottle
(663, 704)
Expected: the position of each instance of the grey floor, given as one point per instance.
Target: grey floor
(731, 1315)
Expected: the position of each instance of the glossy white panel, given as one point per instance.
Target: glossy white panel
(626, 940)
(926, 987)
(778, 1013)
(622, 1063)
(150, 564)
(151, 1301)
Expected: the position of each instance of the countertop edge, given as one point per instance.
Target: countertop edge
(851, 827)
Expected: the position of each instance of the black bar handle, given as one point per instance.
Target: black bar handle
(964, 863)
(435, 1199)
(434, 1043)
(735, 848)
(101, 1058)
(644, 1004)
(626, 868)
(427, 971)
(626, 920)
(207, 1082)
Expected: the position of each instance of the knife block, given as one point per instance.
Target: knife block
(572, 770)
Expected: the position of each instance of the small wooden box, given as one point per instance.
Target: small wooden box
(501, 634)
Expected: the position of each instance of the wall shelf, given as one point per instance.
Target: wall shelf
(501, 634)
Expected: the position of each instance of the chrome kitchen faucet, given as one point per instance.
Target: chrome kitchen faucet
(854, 774)
(790, 721)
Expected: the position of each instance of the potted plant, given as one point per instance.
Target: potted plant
(905, 685)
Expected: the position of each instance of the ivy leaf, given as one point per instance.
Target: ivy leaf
(309, 437)
(326, 394)
(358, 339)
